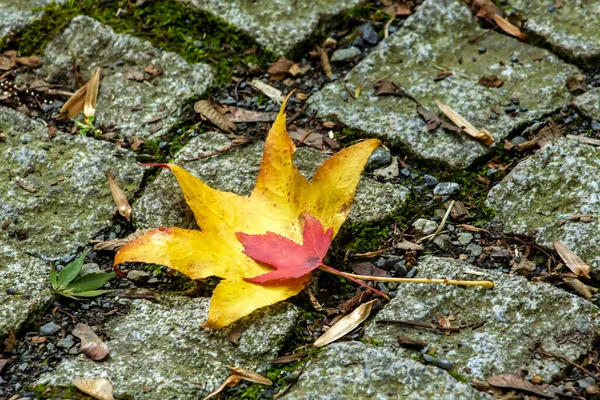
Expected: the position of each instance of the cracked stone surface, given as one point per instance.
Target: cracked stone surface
(163, 204)
(55, 193)
(281, 26)
(566, 29)
(515, 314)
(543, 191)
(97, 45)
(15, 14)
(438, 34)
(354, 370)
(20, 275)
(589, 104)
(158, 349)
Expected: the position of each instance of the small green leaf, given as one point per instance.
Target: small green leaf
(53, 281)
(67, 294)
(93, 293)
(90, 281)
(70, 271)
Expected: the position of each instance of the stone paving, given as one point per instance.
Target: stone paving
(54, 196)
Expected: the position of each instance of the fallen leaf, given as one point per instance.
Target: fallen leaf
(442, 75)
(296, 69)
(250, 376)
(155, 127)
(31, 61)
(367, 268)
(206, 109)
(26, 186)
(387, 88)
(91, 96)
(287, 359)
(279, 69)
(579, 287)
(91, 345)
(231, 381)
(405, 341)
(346, 324)
(280, 197)
(74, 105)
(471, 228)
(324, 61)
(491, 81)
(99, 388)
(123, 206)
(135, 76)
(51, 130)
(584, 139)
(136, 142)
(514, 381)
(509, 28)
(10, 343)
(274, 94)
(237, 114)
(576, 84)
(572, 260)
(406, 245)
(234, 336)
(152, 70)
(301, 96)
(482, 135)
(39, 339)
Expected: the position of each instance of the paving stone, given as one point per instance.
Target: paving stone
(22, 278)
(158, 349)
(281, 26)
(438, 34)
(589, 104)
(163, 204)
(545, 190)
(97, 45)
(515, 314)
(567, 30)
(15, 14)
(355, 370)
(55, 193)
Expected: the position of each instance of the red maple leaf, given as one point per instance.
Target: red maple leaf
(290, 259)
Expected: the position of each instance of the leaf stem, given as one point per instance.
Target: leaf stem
(354, 277)
(345, 275)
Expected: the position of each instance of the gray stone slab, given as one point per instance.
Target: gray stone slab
(236, 170)
(158, 349)
(281, 26)
(515, 315)
(15, 14)
(570, 30)
(438, 35)
(543, 191)
(22, 279)
(589, 104)
(354, 370)
(97, 45)
(71, 199)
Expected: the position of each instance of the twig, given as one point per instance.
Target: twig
(371, 254)
(386, 27)
(355, 280)
(429, 326)
(571, 363)
(441, 226)
(585, 140)
(295, 116)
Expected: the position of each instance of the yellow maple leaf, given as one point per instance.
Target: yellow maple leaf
(280, 198)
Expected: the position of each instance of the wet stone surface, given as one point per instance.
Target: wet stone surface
(163, 204)
(158, 349)
(565, 29)
(544, 191)
(515, 314)
(589, 104)
(119, 56)
(15, 14)
(281, 26)
(57, 196)
(438, 34)
(357, 370)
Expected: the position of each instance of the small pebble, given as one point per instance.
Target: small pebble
(49, 329)
(428, 358)
(412, 273)
(379, 158)
(65, 343)
(444, 364)
(446, 189)
(368, 33)
(514, 59)
(345, 54)
(595, 125)
(442, 241)
(475, 249)
(380, 262)
(465, 238)
(405, 172)
(481, 50)
(400, 269)
(430, 181)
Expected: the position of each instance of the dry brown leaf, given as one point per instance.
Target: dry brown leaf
(250, 376)
(231, 381)
(367, 268)
(406, 245)
(301, 96)
(152, 70)
(296, 70)
(135, 76)
(324, 61)
(10, 343)
(579, 287)
(471, 228)
(575, 264)
(491, 81)
(576, 84)
(279, 69)
(204, 108)
(39, 339)
(584, 139)
(346, 324)
(483, 135)
(91, 95)
(514, 381)
(99, 388)
(136, 142)
(237, 114)
(91, 345)
(268, 90)
(442, 75)
(123, 206)
(74, 105)
(509, 28)
(32, 61)
(287, 359)
(155, 127)
(115, 244)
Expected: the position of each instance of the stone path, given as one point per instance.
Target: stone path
(55, 198)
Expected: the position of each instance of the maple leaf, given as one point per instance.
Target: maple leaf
(277, 204)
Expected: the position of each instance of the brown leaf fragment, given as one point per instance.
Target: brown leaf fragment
(576, 84)
(115, 244)
(26, 186)
(332, 143)
(403, 10)
(405, 341)
(442, 75)
(287, 359)
(136, 142)
(579, 287)
(6, 63)
(514, 381)
(387, 88)
(31, 61)
(575, 264)
(301, 96)
(98, 388)
(459, 212)
(490, 81)
(231, 381)
(346, 324)
(431, 120)
(509, 28)
(237, 114)
(481, 135)
(234, 336)
(91, 95)
(279, 69)
(324, 61)
(367, 268)
(205, 108)
(51, 130)
(471, 228)
(152, 71)
(268, 90)
(155, 127)
(135, 76)
(39, 339)
(10, 343)
(406, 245)
(296, 70)
(74, 105)
(5, 224)
(123, 206)
(91, 345)
(250, 376)
(585, 140)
